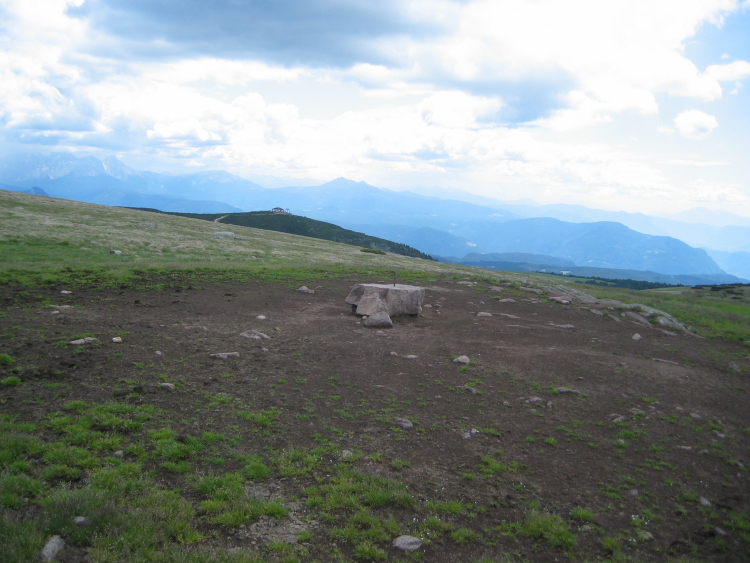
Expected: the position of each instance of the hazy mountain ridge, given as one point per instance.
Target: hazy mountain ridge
(433, 225)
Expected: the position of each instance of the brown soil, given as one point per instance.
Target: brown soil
(685, 418)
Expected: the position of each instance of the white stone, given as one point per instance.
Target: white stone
(462, 360)
(407, 543)
(398, 299)
(305, 289)
(484, 314)
(80, 341)
(66, 292)
(52, 549)
(404, 423)
(167, 386)
(117, 340)
(224, 355)
(636, 336)
(115, 251)
(255, 335)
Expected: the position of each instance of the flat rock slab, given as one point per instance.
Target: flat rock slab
(398, 299)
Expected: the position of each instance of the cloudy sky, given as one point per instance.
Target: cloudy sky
(637, 105)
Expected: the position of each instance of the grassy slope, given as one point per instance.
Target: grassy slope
(47, 234)
(296, 225)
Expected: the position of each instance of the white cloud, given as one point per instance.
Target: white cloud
(695, 124)
(737, 70)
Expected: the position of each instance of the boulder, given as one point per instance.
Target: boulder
(52, 548)
(393, 299)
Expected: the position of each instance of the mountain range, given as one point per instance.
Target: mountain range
(588, 238)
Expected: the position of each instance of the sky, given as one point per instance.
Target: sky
(629, 105)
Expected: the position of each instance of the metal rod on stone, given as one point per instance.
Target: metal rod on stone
(394, 278)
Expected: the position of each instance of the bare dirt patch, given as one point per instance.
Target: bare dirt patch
(640, 447)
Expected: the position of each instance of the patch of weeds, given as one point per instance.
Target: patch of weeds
(464, 535)
(7, 360)
(549, 527)
(350, 489)
(15, 489)
(255, 468)
(434, 527)
(12, 381)
(366, 551)
(297, 462)
(399, 465)
(582, 514)
(63, 505)
(452, 507)
(229, 504)
(177, 467)
(550, 442)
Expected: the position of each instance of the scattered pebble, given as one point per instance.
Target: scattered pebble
(720, 531)
(255, 335)
(167, 386)
(507, 300)
(563, 390)
(404, 423)
(534, 400)
(66, 292)
(80, 341)
(115, 251)
(119, 453)
(633, 492)
(411, 357)
(261, 317)
(695, 416)
(561, 300)
(55, 313)
(462, 360)
(380, 333)
(643, 535)
(81, 521)
(509, 316)
(117, 340)
(395, 354)
(636, 336)
(484, 314)
(469, 389)
(159, 353)
(224, 355)
(346, 453)
(305, 289)
(704, 501)
(409, 543)
(264, 349)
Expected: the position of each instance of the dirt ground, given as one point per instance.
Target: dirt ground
(654, 441)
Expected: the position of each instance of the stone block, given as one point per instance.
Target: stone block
(398, 299)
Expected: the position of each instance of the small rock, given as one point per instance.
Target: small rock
(462, 360)
(643, 535)
(167, 386)
(469, 389)
(55, 313)
(80, 341)
(408, 543)
(118, 453)
(52, 548)
(427, 306)
(509, 316)
(411, 357)
(633, 492)
(380, 333)
(704, 501)
(561, 326)
(636, 336)
(224, 235)
(465, 283)
(695, 416)
(535, 400)
(66, 292)
(684, 448)
(81, 521)
(224, 355)
(563, 390)
(115, 251)
(158, 353)
(261, 317)
(531, 289)
(305, 289)
(597, 312)
(346, 453)
(561, 300)
(620, 442)
(484, 314)
(255, 335)
(404, 423)
(394, 354)
(496, 288)
(117, 340)
(720, 531)
(264, 349)
(507, 300)
(378, 320)
(549, 404)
